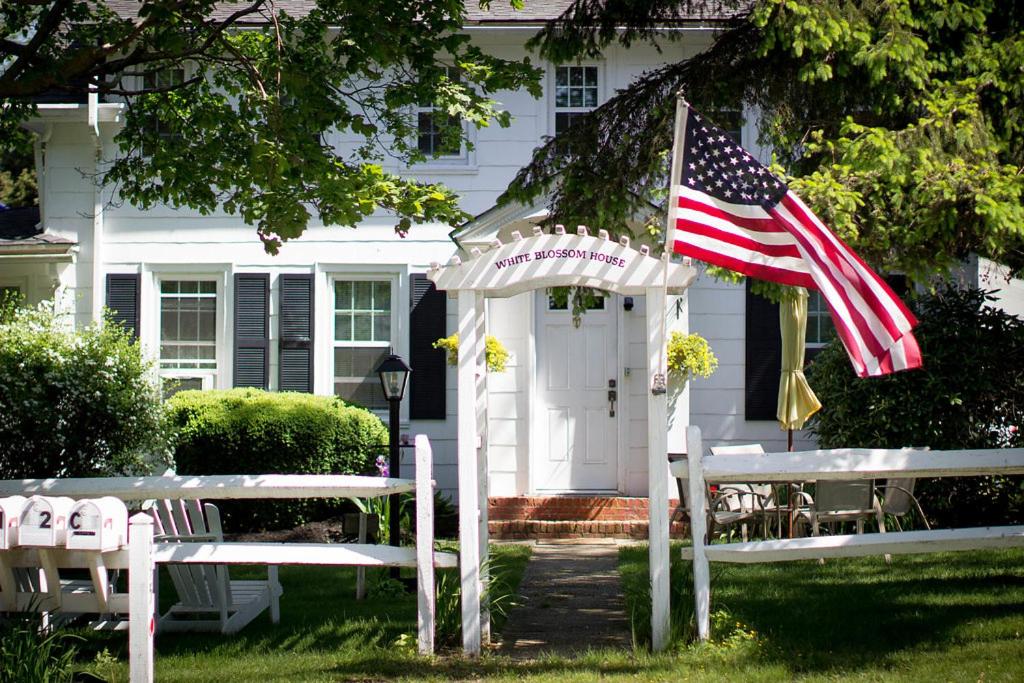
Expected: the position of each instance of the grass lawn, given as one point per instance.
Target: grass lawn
(947, 617)
(954, 617)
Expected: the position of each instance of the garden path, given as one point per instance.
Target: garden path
(571, 601)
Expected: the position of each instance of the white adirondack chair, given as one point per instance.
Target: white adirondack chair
(208, 599)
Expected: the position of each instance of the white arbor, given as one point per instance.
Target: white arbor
(525, 264)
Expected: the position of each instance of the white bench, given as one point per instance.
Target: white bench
(835, 464)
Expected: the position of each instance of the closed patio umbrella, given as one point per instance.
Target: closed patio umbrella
(796, 400)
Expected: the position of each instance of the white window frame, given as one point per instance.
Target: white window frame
(212, 378)
(602, 90)
(463, 162)
(811, 294)
(398, 313)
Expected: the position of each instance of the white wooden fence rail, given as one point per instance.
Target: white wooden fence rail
(142, 555)
(836, 464)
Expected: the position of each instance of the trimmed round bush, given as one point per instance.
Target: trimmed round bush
(249, 431)
(75, 403)
(969, 394)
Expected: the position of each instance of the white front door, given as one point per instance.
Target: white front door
(576, 448)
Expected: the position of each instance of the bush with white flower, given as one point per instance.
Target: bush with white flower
(75, 403)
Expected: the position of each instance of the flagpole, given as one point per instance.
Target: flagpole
(659, 383)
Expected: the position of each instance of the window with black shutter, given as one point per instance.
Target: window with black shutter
(123, 300)
(427, 310)
(295, 357)
(763, 357)
(252, 330)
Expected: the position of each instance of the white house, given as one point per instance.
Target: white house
(215, 310)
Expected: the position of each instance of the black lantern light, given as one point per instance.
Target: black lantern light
(394, 374)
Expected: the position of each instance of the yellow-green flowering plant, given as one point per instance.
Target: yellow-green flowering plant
(495, 352)
(690, 355)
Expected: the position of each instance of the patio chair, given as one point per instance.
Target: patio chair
(725, 507)
(898, 500)
(208, 599)
(838, 501)
(761, 498)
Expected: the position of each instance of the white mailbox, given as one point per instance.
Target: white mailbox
(98, 524)
(10, 516)
(44, 521)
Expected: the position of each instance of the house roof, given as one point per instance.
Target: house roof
(21, 234)
(499, 222)
(500, 11)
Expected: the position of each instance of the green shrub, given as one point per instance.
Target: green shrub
(969, 394)
(74, 403)
(248, 431)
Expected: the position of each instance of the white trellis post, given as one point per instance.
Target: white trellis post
(698, 531)
(141, 599)
(469, 475)
(657, 477)
(481, 430)
(425, 593)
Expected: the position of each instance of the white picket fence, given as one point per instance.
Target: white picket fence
(142, 554)
(836, 464)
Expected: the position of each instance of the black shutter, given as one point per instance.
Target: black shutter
(296, 347)
(763, 358)
(427, 310)
(123, 300)
(252, 330)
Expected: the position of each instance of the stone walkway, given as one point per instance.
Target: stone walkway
(571, 601)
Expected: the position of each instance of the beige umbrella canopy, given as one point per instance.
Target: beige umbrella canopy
(796, 400)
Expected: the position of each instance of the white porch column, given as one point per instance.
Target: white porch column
(469, 473)
(657, 477)
(481, 427)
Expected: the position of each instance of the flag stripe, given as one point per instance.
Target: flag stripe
(746, 266)
(740, 240)
(750, 217)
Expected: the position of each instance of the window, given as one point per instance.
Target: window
(576, 93)
(440, 135)
(820, 330)
(592, 301)
(11, 295)
(163, 78)
(155, 80)
(730, 120)
(188, 328)
(362, 339)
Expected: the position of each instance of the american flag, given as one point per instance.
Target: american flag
(729, 210)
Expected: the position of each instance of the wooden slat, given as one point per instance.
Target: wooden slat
(857, 463)
(234, 486)
(863, 545)
(352, 554)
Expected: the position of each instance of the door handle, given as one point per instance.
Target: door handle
(612, 398)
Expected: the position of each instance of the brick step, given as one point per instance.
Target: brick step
(546, 529)
(571, 508)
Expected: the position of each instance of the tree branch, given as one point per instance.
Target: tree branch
(43, 32)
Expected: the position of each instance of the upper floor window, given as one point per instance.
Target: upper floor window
(363, 316)
(163, 78)
(188, 326)
(576, 93)
(439, 134)
(730, 120)
(820, 329)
